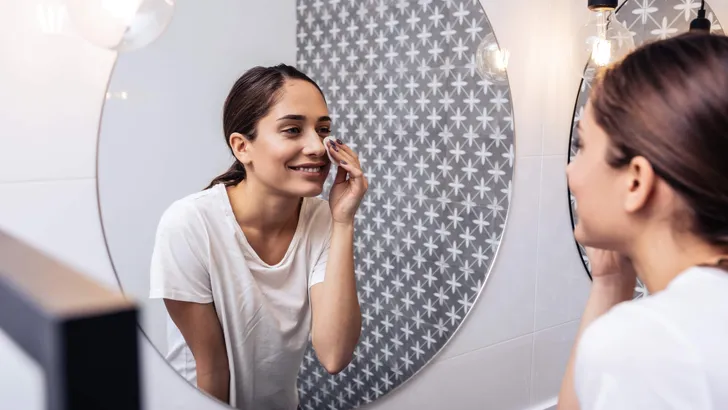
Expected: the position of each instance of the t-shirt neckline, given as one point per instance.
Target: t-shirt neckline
(230, 215)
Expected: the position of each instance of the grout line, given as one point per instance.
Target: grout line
(542, 156)
(444, 359)
(486, 347)
(46, 180)
(557, 325)
(535, 288)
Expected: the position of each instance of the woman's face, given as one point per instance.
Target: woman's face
(598, 188)
(288, 155)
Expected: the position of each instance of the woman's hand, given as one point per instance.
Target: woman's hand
(606, 263)
(614, 269)
(346, 194)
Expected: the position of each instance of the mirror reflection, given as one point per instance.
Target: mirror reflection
(307, 218)
(253, 264)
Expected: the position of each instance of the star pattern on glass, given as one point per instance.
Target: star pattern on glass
(436, 142)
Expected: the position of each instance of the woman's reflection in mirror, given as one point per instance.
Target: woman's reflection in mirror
(256, 265)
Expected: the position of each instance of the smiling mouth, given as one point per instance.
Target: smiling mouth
(310, 170)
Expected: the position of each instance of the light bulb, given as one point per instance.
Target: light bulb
(603, 40)
(492, 61)
(120, 25)
(601, 52)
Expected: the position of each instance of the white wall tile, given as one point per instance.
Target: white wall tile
(563, 70)
(551, 350)
(562, 285)
(504, 309)
(496, 377)
(60, 218)
(53, 88)
(22, 382)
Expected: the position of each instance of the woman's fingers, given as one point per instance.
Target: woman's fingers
(353, 170)
(346, 151)
(349, 162)
(341, 153)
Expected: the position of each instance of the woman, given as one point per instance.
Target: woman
(250, 265)
(651, 183)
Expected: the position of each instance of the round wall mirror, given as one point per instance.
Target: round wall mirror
(435, 139)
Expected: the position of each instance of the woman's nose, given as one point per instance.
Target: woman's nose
(315, 145)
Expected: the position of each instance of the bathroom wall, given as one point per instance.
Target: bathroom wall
(512, 348)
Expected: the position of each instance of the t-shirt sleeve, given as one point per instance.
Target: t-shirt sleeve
(322, 228)
(632, 358)
(178, 268)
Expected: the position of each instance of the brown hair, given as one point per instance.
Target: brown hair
(668, 102)
(249, 100)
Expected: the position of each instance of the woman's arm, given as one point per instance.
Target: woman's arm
(613, 283)
(201, 329)
(335, 305)
(605, 293)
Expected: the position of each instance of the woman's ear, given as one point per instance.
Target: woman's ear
(240, 147)
(640, 184)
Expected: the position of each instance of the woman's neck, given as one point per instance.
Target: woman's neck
(257, 208)
(659, 257)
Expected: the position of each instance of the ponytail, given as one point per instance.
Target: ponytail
(233, 176)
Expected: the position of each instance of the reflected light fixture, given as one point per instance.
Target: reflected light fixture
(491, 60)
(603, 39)
(120, 25)
(701, 24)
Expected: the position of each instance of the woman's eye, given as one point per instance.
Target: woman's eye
(292, 130)
(578, 143)
(324, 130)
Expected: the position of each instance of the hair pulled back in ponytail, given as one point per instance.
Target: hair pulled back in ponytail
(668, 102)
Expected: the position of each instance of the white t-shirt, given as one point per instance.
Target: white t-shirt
(665, 351)
(201, 255)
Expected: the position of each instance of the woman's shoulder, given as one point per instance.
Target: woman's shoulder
(187, 213)
(662, 342)
(674, 319)
(631, 356)
(626, 327)
(690, 300)
(630, 344)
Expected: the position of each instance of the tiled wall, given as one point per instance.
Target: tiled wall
(512, 348)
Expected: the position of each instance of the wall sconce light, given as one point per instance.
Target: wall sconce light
(603, 38)
(120, 25)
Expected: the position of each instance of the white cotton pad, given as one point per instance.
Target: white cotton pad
(327, 141)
